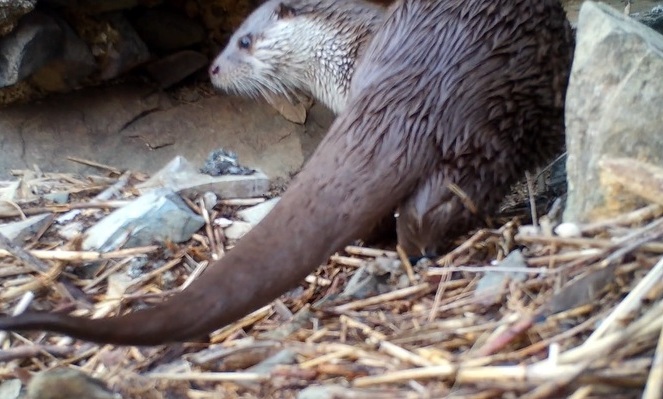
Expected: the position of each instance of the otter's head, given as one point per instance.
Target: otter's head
(268, 54)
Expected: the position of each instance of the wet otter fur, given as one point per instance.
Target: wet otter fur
(293, 47)
(464, 92)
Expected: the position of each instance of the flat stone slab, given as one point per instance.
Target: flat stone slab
(158, 216)
(180, 176)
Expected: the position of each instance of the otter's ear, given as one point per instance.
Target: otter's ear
(285, 11)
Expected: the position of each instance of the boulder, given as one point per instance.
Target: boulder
(612, 106)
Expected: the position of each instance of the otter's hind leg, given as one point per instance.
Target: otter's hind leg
(439, 211)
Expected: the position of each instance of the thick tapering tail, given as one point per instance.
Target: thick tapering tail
(199, 310)
(114, 330)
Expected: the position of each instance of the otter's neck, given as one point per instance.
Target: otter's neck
(331, 74)
(334, 57)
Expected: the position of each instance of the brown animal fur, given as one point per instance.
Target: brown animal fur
(450, 91)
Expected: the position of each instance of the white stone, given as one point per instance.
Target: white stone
(237, 230)
(568, 230)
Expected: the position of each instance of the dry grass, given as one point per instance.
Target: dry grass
(584, 322)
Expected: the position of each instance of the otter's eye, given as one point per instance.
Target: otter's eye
(244, 42)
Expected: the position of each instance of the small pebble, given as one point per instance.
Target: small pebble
(67, 383)
(223, 222)
(568, 230)
(237, 230)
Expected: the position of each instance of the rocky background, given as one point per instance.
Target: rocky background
(124, 83)
(146, 98)
(61, 45)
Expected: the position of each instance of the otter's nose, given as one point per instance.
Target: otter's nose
(213, 69)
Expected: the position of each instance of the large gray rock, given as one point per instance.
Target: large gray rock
(613, 105)
(32, 44)
(11, 11)
(176, 67)
(70, 65)
(652, 18)
(158, 216)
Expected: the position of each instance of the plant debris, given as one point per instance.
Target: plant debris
(575, 315)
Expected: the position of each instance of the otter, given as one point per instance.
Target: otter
(449, 92)
(293, 47)
(301, 48)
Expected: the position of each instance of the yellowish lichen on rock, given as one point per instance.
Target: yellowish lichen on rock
(20, 92)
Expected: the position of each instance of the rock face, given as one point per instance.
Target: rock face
(133, 127)
(166, 30)
(612, 107)
(158, 216)
(11, 11)
(175, 67)
(62, 45)
(652, 18)
(99, 40)
(69, 67)
(32, 44)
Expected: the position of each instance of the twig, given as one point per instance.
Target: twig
(107, 273)
(242, 201)
(478, 236)
(390, 348)
(654, 387)
(532, 200)
(347, 261)
(28, 258)
(247, 320)
(630, 303)
(371, 252)
(68, 208)
(390, 296)
(650, 322)
(441, 271)
(438, 372)
(28, 351)
(406, 264)
(637, 216)
(655, 247)
(213, 377)
(445, 275)
(85, 256)
(95, 164)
